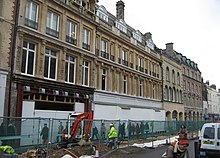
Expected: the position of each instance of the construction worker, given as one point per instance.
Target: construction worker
(177, 150)
(112, 136)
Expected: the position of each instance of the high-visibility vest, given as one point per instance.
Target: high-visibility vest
(112, 133)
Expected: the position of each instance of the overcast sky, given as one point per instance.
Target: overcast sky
(192, 25)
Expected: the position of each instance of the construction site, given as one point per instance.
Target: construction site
(80, 135)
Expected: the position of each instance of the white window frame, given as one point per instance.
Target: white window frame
(86, 36)
(84, 68)
(30, 11)
(71, 33)
(124, 55)
(104, 45)
(50, 56)
(27, 56)
(51, 20)
(69, 62)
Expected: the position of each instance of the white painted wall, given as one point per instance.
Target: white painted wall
(3, 78)
(113, 106)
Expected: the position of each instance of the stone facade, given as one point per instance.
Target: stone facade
(7, 22)
(172, 84)
(192, 89)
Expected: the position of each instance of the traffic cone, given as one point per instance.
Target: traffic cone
(96, 152)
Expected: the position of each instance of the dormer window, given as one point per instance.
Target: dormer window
(150, 44)
(102, 13)
(121, 25)
(137, 35)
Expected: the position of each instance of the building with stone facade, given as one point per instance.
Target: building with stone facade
(192, 89)
(128, 70)
(172, 84)
(211, 102)
(7, 26)
(73, 55)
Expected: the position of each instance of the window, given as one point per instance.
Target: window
(167, 74)
(124, 58)
(154, 69)
(112, 47)
(137, 35)
(188, 86)
(104, 49)
(70, 69)
(52, 24)
(104, 79)
(121, 25)
(102, 13)
(71, 32)
(85, 73)
(209, 133)
(28, 58)
(50, 65)
(125, 85)
(86, 39)
(178, 78)
(141, 88)
(166, 96)
(31, 14)
(173, 77)
(154, 91)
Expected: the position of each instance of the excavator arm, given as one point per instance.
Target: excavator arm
(76, 124)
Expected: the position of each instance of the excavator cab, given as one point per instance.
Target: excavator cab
(78, 126)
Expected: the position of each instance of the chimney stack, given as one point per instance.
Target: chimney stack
(207, 82)
(169, 48)
(120, 10)
(213, 86)
(148, 35)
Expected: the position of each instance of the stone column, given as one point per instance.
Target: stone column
(41, 58)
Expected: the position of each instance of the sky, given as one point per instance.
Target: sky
(192, 25)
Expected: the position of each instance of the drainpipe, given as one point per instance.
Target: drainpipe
(17, 7)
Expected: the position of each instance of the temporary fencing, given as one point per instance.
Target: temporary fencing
(23, 133)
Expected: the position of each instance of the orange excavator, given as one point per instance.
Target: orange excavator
(82, 124)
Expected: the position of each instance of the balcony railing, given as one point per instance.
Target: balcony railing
(124, 62)
(96, 52)
(119, 60)
(86, 46)
(30, 23)
(139, 68)
(104, 55)
(52, 32)
(112, 57)
(71, 40)
(146, 71)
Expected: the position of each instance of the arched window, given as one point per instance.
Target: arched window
(166, 93)
(167, 74)
(173, 76)
(180, 97)
(178, 78)
(170, 94)
(177, 96)
(174, 94)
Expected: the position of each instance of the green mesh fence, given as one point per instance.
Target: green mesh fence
(22, 133)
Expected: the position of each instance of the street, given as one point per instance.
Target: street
(157, 152)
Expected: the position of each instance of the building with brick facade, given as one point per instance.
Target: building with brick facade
(7, 26)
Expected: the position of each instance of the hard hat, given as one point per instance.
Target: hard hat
(111, 124)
